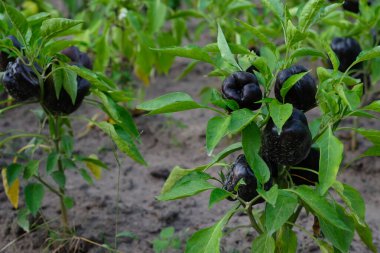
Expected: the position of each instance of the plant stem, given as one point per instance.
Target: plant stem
(253, 220)
(57, 139)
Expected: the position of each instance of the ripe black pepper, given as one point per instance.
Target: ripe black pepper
(302, 94)
(20, 81)
(292, 145)
(241, 170)
(244, 88)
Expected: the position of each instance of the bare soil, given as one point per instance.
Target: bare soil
(167, 141)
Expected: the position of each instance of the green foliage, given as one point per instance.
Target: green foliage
(283, 35)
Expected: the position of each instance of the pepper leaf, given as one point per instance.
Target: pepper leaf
(56, 26)
(217, 127)
(331, 150)
(251, 140)
(290, 82)
(264, 243)
(225, 50)
(280, 113)
(189, 185)
(34, 193)
(207, 240)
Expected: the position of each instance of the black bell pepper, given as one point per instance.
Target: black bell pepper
(241, 170)
(20, 81)
(302, 94)
(4, 56)
(347, 49)
(292, 145)
(244, 88)
(63, 105)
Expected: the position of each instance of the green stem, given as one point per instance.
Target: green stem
(47, 185)
(21, 136)
(57, 139)
(294, 217)
(252, 219)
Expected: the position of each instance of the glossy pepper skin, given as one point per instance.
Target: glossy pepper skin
(20, 81)
(302, 94)
(63, 105)
(292, 145)
(240, 169)
(244, 88)
(346, 49)
(77, 57)
(4, 57)
(304, 177)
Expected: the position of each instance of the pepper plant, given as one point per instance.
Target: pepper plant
(286, 161)
(40, 66)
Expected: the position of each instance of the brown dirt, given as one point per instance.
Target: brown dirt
(167, 141)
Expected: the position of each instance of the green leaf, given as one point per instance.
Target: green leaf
(86, 176)
(332, 56)
(264, 243)
(60, 178)
(259, 35)
(34, 194)
(354, 200)
(365, 234)
(216, 196)
(207, 240)
(156, 15)
(187, 186)
(13, 172)
(331, 150)
(177, 107)
(240, 119)
(276, 215)
(280, 113)
(290, 82)
(340, 238)
(191, 52)
(216, 128)
(118, 113)
(122, 140)
(167, 233)
(23, 220)
(374, 106)
(307, 51)
(68, 202)
(102, 54)
(370, 134)
(31, 169)
(67, 79)
(276, 6)
(372, 151)
(51, 162)
(251, 140)
(225, 49)
(55, 26)
(287, 242)
(225, 152)
(175, 175)
(320, 206)
(367, 55)
(171, 102)
(309, 14)
(17, 19)
(126, 234)
(271, 195)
